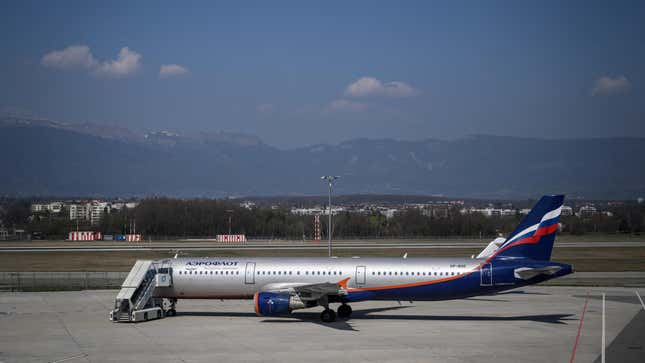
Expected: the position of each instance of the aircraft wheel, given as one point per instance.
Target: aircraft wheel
(328, 316)
(344, 311)
(171, 312)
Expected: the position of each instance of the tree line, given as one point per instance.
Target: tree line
(166, 218)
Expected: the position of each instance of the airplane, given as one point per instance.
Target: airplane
(280, 285)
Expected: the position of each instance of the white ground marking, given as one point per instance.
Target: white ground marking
(602, 352)
(639, 298)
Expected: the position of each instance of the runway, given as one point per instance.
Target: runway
(213, 246)
(535, 324)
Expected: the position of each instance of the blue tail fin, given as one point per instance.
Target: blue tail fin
(534, 236)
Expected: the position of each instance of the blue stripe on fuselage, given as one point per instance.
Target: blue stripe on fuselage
(463, 286)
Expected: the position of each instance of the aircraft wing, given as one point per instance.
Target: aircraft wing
(308, 291)
(526, 273)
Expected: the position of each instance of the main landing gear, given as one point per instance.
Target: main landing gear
(344, 311)
(328, 315)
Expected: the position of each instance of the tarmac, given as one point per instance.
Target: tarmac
(533, 324)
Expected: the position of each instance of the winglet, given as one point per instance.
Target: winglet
(343, 283)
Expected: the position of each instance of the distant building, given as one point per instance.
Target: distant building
(80, 211)
(490, 212)
(389, 213)
(316, 210)
(247, 204)
(566, 211)
(122, 205)
(98, 209)
(587, 211)
(53, 207)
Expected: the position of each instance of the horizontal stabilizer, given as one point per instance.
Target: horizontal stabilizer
(492, 247)
(527, 273)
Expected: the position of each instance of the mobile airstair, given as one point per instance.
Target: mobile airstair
(135, 301)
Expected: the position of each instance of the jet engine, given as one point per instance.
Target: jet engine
(272, 304)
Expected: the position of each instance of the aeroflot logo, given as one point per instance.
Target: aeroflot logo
(211, 263)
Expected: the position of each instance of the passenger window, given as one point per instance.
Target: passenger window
(289, 272)
(298, 273)
(306, 272)
(373, 273)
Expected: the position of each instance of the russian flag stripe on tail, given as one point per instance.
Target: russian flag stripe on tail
(534, 236)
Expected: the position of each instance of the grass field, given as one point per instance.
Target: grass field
(584, 259)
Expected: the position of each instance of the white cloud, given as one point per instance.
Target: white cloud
(75, 56)
(80, 57)
(126, 63)
(607, 85)
(347, 105)
(172, 70)
(370, 87)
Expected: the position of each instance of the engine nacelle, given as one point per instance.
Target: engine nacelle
(272, 304)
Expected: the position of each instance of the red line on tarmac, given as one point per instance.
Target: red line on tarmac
(582, 319)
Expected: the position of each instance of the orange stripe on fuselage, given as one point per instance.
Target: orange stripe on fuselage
(256, 303)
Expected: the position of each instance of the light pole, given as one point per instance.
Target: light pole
(330, 180)
(230, 215)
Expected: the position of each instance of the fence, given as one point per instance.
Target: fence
(43, 281)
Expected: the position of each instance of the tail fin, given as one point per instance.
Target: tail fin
(534, 236)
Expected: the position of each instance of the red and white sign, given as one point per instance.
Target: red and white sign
(133, 237)
(231, 238)
(84, 236)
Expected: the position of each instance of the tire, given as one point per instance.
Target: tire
(328, 316)
(344, 311)
(172, 312)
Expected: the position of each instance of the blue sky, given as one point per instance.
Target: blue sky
(295, 73)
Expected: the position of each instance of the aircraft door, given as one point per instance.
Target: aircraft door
(360, 275)
(486, 274)
(249, 276)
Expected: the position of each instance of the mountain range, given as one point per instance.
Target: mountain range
(47, 158)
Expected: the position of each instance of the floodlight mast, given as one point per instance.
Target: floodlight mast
(330, 180)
